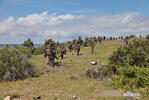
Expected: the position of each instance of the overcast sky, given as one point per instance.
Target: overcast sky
(63, 20)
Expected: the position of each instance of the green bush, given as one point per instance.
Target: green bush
(96, 73)
(131, 78)
(14, 65)
(134, 54)
(24, 50)
(130, 65)
(92, 74)
(38, 51)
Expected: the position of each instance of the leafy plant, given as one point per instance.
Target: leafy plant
(24, 50)
(38, 51)
(14, 65)
(130, 65)
(131, 78)
(29, 44)
(50, 51)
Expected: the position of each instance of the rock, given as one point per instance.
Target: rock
(75, 97)
(15, 96)
(47, 63)
(131, 96)
(36, 97)
(8, 98)
(73, 77)
(93, 63)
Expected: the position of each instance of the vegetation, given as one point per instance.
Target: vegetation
(70, 46)
(92, 44)
(29, 44)
(133, 54)
(62, 50)
(39, 50)
(50, 51)
(129, 66)
(147, 37)
(58, 83)
(24, 50)
(14, 65)
(126, 64)
(77, 45)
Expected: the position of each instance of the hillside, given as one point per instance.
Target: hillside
(68, 78)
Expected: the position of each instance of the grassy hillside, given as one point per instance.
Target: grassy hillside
(67, 78)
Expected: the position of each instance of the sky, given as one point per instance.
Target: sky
(64, 20)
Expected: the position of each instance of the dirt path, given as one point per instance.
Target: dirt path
(110, 93)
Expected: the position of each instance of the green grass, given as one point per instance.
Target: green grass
(58, 83)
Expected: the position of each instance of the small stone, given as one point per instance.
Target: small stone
(75, 97)
(130, 95)
(8, 98)
(93, 63)
(73, 77)
(36, 97)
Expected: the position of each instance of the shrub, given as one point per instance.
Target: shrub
(38, 51)
(96, 74)
(14, 65)
(147, 37)
(131, 78)
(92, 74)
(130, 65)
(133, 54)
(24, 50)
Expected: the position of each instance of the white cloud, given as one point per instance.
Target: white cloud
(63, 27)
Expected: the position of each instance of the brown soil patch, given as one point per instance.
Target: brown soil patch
(109, 93)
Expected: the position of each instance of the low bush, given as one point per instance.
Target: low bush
(14, 65)
(92, 74)
(131, 78)
(96, 73)
(38, 51)
(130, 65)
(24, 50)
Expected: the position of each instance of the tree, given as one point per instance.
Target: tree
(70, 46)
(85, 42)
(77, 48)
(111, 38)
(147, 37)
(104, 37)
(50, 51)
(29, 44)
(95, 39)
(92, 44)
(132, 36)
(126, 40)
(74, 41)
(62, 51)
(100, 39)
(121, 37)
(140, 36)
(80, 40)
(78, 45)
